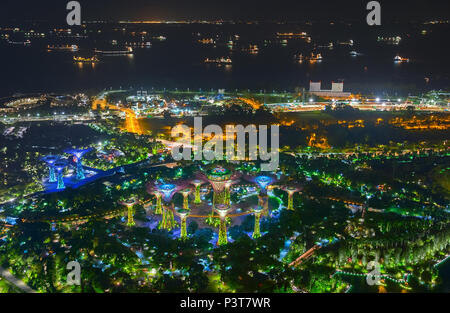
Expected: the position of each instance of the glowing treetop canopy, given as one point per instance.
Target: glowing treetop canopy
(219, 174)
(263, 181)
(50, 159)
(291, 189)
(222, 209)
(197, 182)
(60, 165)
(129, 202)
(78, 153)
(183, 213)
(167, 190)
(258, 209)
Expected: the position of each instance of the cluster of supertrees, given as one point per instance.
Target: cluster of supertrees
(221, 180)
(56, 165)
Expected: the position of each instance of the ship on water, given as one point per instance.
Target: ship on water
(312, 58)
(126, 51)
(299, 57)
(354, 53)
(72, 48)
(399, 59)
(221, 60)
(79, 59)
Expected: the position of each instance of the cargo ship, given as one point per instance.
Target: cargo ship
(72, 48)
(127, 51)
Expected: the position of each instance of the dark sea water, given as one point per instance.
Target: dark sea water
(177, 63)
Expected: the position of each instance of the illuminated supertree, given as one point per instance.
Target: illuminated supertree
(221, 179)
(60, 165)
(257, 212)
(77, 158)
(197, 183)
(263, 182)
(130, 203)
(50, 160)
(158, 209)
(186, 193)
(222, 210)
(168, 221)
(183, 213)
(291, 190)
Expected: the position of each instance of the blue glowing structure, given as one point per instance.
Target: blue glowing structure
(60, 165)
(77, 157)
(50, 160)
(263, 182)
(167, 190)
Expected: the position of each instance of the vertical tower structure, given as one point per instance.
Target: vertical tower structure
(50, 160)
(291, 190)
(167, 191)
(222, 210)
(60, 165)
(197, 183)
(77, 158)
(186, 192)
(183, 213)
(220, 179)
(130, 203)
(256, 230)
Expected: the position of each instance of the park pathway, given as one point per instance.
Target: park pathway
(16, 282)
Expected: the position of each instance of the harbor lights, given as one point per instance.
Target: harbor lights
(290, 190)
(183, 213)
(168, 221)
(222, 210)
(197, 183)
(257, 213)
(186, 192)
(50, 160)
(77, 158)
(129, 203)
(60, 165)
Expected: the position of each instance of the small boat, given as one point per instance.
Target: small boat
(79, 59)
(399, 59)
(221, 60)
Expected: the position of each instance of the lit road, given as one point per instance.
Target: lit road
(55, 118)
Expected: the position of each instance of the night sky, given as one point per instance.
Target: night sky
(296, 10)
